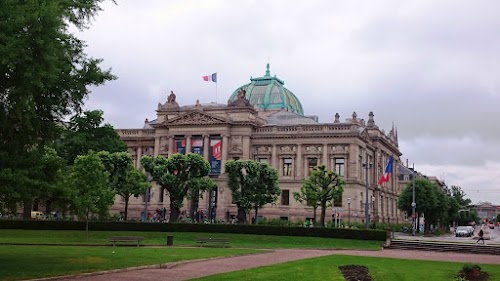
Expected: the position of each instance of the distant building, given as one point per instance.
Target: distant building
(265, 121)
(486, 210)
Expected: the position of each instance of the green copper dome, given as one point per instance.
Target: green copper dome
(267, 92)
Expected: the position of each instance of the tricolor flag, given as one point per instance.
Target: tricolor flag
(387, 172)
(212, 77)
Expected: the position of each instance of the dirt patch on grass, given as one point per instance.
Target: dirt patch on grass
(355, 273)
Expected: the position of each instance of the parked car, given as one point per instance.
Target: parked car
(462, 231)
(471, 229)
(492, 226)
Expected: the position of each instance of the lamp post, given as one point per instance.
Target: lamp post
(367, 166)
(146, 200)
(413, 204)
(349, 211)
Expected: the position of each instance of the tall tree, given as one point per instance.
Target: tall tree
(253, 184)
(44, 76)
(124, 179)
(176, 175)
(325, 186)
(86, 132)
(310, 195)
(91, 192)
(425, 197)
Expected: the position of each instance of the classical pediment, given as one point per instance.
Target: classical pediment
(195, 118)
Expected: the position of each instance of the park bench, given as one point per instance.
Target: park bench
(207, 240)
(136, 239)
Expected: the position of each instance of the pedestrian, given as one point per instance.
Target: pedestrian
(481, 234)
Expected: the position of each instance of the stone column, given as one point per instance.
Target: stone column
(299, 166)
(139, 155)
(170, 145)
(274, 156)
(206, 146)
(157, 146)
(325, 156)
(188, 144)
(224, 153)
(246, 148)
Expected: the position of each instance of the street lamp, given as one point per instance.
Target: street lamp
(367, 166)
(349, 211)
(146, 200)
(413, 204)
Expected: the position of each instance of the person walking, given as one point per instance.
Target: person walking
(481, 234)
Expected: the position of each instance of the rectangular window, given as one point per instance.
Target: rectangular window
(263, 160)
(284, 218)
(285, 197)
(312, 163)
(148, 195)
(287, 167)
(236, 158)
(162, 191)
(340, 166)
(338, 201)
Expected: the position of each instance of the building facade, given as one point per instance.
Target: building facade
(264, 121)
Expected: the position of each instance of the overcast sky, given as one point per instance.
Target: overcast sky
(431, 67)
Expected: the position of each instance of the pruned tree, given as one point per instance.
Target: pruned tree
(92, 194)
(253, 184)
(176, 175)
(323, 185)
(124, 179)
(310, 195)
(425, 198)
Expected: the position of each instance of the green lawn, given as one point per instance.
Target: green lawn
(27, 262)
(185, 239)
(381, 269)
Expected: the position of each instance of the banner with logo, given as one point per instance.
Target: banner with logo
(197, 146)
(180, 145)
(215, 155)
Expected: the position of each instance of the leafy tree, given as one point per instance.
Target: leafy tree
(44, 76)
(176, 175)
(91, 192)
(124, 179)
(459, 195)
(310, 195)
(325, 186)
(425, 197)
(253, 184)
(85, 132)
(195, 192)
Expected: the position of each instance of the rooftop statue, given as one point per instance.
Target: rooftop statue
(241, 101)
(171, 103)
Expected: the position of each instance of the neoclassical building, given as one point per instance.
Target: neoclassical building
(265, 121)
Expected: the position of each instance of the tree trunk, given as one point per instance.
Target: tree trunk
(256, 215)
(48, 207)
(323, 213)
(126, 208)
(27, 209)
(315, 209)
(174, 213)
(87, 225)
(242, 216)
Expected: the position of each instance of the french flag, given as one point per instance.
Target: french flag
(387, 172)
(212, 77)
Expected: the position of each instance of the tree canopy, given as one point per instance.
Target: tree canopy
(322, 185)
(176, 175)
(45, 75)
(253, 184)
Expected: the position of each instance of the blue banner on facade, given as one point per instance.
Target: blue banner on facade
(197, 146)
(215, 155)
(180, 146)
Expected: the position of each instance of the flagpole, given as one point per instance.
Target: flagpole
(216, 81)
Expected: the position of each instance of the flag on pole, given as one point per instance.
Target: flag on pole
(212, 77)
(388, 170)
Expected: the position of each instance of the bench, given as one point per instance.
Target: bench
(207, 240)
(115, 239)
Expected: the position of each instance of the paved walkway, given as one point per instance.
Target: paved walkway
(194, 269)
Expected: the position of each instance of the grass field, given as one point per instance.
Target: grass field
(27, 262)
(185, 239)
(381, 269)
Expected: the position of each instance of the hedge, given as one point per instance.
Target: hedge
(358, 234)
